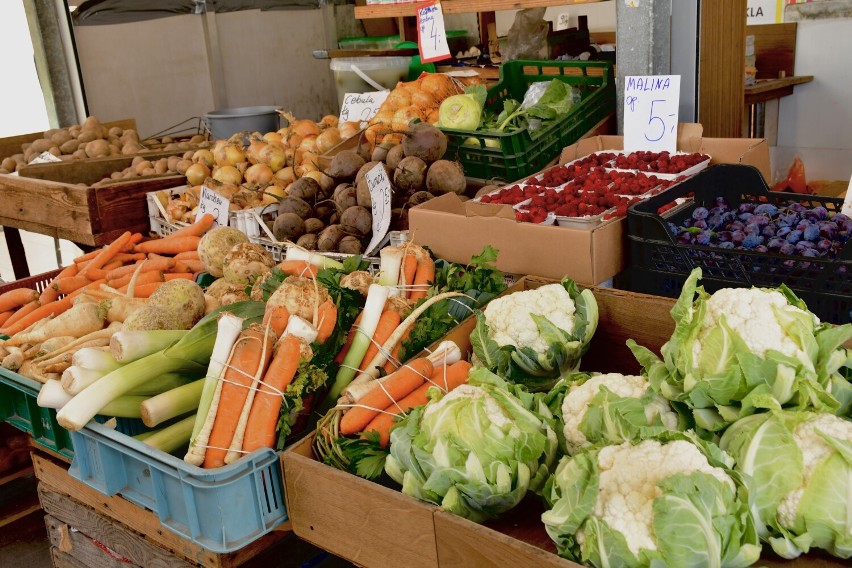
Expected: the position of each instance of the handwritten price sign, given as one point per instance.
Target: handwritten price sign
(213, 203)
(380, 194)
(650, 112)
(431, 33)
(361, 107)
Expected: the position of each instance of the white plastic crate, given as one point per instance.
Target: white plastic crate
(161, 224)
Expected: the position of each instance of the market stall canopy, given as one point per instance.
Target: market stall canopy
(100, 12)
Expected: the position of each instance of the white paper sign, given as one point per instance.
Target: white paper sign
(847, 201)
(431, 33)
(361, 107)
(650, 112)
(762, 12)
(45, 158)
(380, 195)
(563, 22)
(213, 203)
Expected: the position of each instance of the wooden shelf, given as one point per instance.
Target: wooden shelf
(458, 7)
(18, 497)
(16, 474)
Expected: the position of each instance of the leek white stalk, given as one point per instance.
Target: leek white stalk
(228, 329)
(390, 267)
(171, 403)
(301, 329)
(129, 346)
(95, 359)
(75, 379)
(173, 437)
(190, 354)
(52, 395)
(298, 253)
(377, 295)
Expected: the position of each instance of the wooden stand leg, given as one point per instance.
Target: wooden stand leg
(16, 252)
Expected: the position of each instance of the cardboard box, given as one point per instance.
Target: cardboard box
(456, 230)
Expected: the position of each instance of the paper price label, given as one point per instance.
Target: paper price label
(847, 201)
(650, 112)
(45, 158)
(213, 203)
(361, 107)
(380, 195)
(431, 33)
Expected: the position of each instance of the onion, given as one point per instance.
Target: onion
(305, 128)
(271, 137)
(219, 152)
(325, 182)
(273, 156)
(329, 138)
(347, 131)
(293, 140)
(289, 156)
(203, 157)
(329, 121)
(242, 167)
(305, 168)
(227, 174)
(275, 191)
(309, 144)
(258, 174)
(197, 173)
(256, 146)
(308, 158)
(286, 174)
(234, 154)
(284, 132)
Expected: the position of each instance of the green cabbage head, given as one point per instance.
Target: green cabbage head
(746, 349)
(475, 451)
(800, 464)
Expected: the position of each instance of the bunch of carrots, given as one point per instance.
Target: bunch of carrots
(110, 268)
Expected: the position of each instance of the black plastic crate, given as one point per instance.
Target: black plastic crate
(659, 264)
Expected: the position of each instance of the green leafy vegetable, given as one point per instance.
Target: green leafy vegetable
(556, 101)
(309, 378)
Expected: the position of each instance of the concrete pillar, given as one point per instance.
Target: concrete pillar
(643, 29)
(52, 48)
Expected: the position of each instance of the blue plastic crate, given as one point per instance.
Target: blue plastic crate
(219, 509)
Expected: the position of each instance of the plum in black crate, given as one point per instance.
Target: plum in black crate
(660, 263)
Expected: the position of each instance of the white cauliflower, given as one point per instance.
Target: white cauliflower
(749, 312)
(814, 451)
(628, 484)
(509, 321)
(492, 408)
(577, 400)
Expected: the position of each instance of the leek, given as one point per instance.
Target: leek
(298, 253)
(377, 295)
(126, 406)
(390, 267)
(95, 359)
(172, 403)
(171, 438)
(52, 395)
(162, 383)
(76, 379)
(191, 353)
(129, 346)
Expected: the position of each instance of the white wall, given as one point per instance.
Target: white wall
(601, 16)
(815, 122)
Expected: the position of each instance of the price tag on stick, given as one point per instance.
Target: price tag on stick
(45, 158)
(431, 33)
(361, 107)
(380, 195)
(650, 112)
(213, 203)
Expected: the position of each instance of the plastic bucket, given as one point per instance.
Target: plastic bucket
(226, 122)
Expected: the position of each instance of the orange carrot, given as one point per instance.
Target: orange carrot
(5, 316)
(245, 363)
(161, 263)
(131, 244)
(201, 226)
(53, 308)
(117, 273)
(422, 279)
(49, 294)
(107, 254)
(388, 322)
(22, 311)
(143, 278)
(144, 290)
(169, 245)
(188, 265)
(179, 276)
(447, 377)
(409, 269)
(342, 355)
(188, 255)
(88, 256)
(263, 417)
(390, 365)
(126, 257)
(297, 268)
(326, 320)
(68, 285)
(98, 273)
(395, 387)
(96, 285)
(17, 297)
(68, 271)
(277, 318)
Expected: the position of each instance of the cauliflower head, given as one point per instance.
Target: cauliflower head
(509, 320)
(580, 396)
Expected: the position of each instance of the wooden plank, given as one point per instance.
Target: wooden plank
(63, 510)
(766, 85)
(458, 7)
(24, 471)
(63, 560)
(721, 63)
(44, 202)
(12, 144)
(88, 171)
(774, 49)
(142, 521)
(120, 206)
(77, 546)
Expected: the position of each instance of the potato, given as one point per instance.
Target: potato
(142, 166)
(69, 147)
(55, 151)
(61, 137)
(115, 131)
(88, 136)
(80, 154)
(41, 145)
(172, 163)
(8, 164)
(161, 166)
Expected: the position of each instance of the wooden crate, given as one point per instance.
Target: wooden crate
(130, 531)
(11, 145)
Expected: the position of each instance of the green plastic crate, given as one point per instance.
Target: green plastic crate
(516, 155)
(18, 407)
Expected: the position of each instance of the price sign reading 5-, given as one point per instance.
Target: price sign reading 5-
(651, 112)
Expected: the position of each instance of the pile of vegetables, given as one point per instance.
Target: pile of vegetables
(337, 216)
(79, 142)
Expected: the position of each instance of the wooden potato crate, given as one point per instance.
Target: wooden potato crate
(87, 528)
(11, 145)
